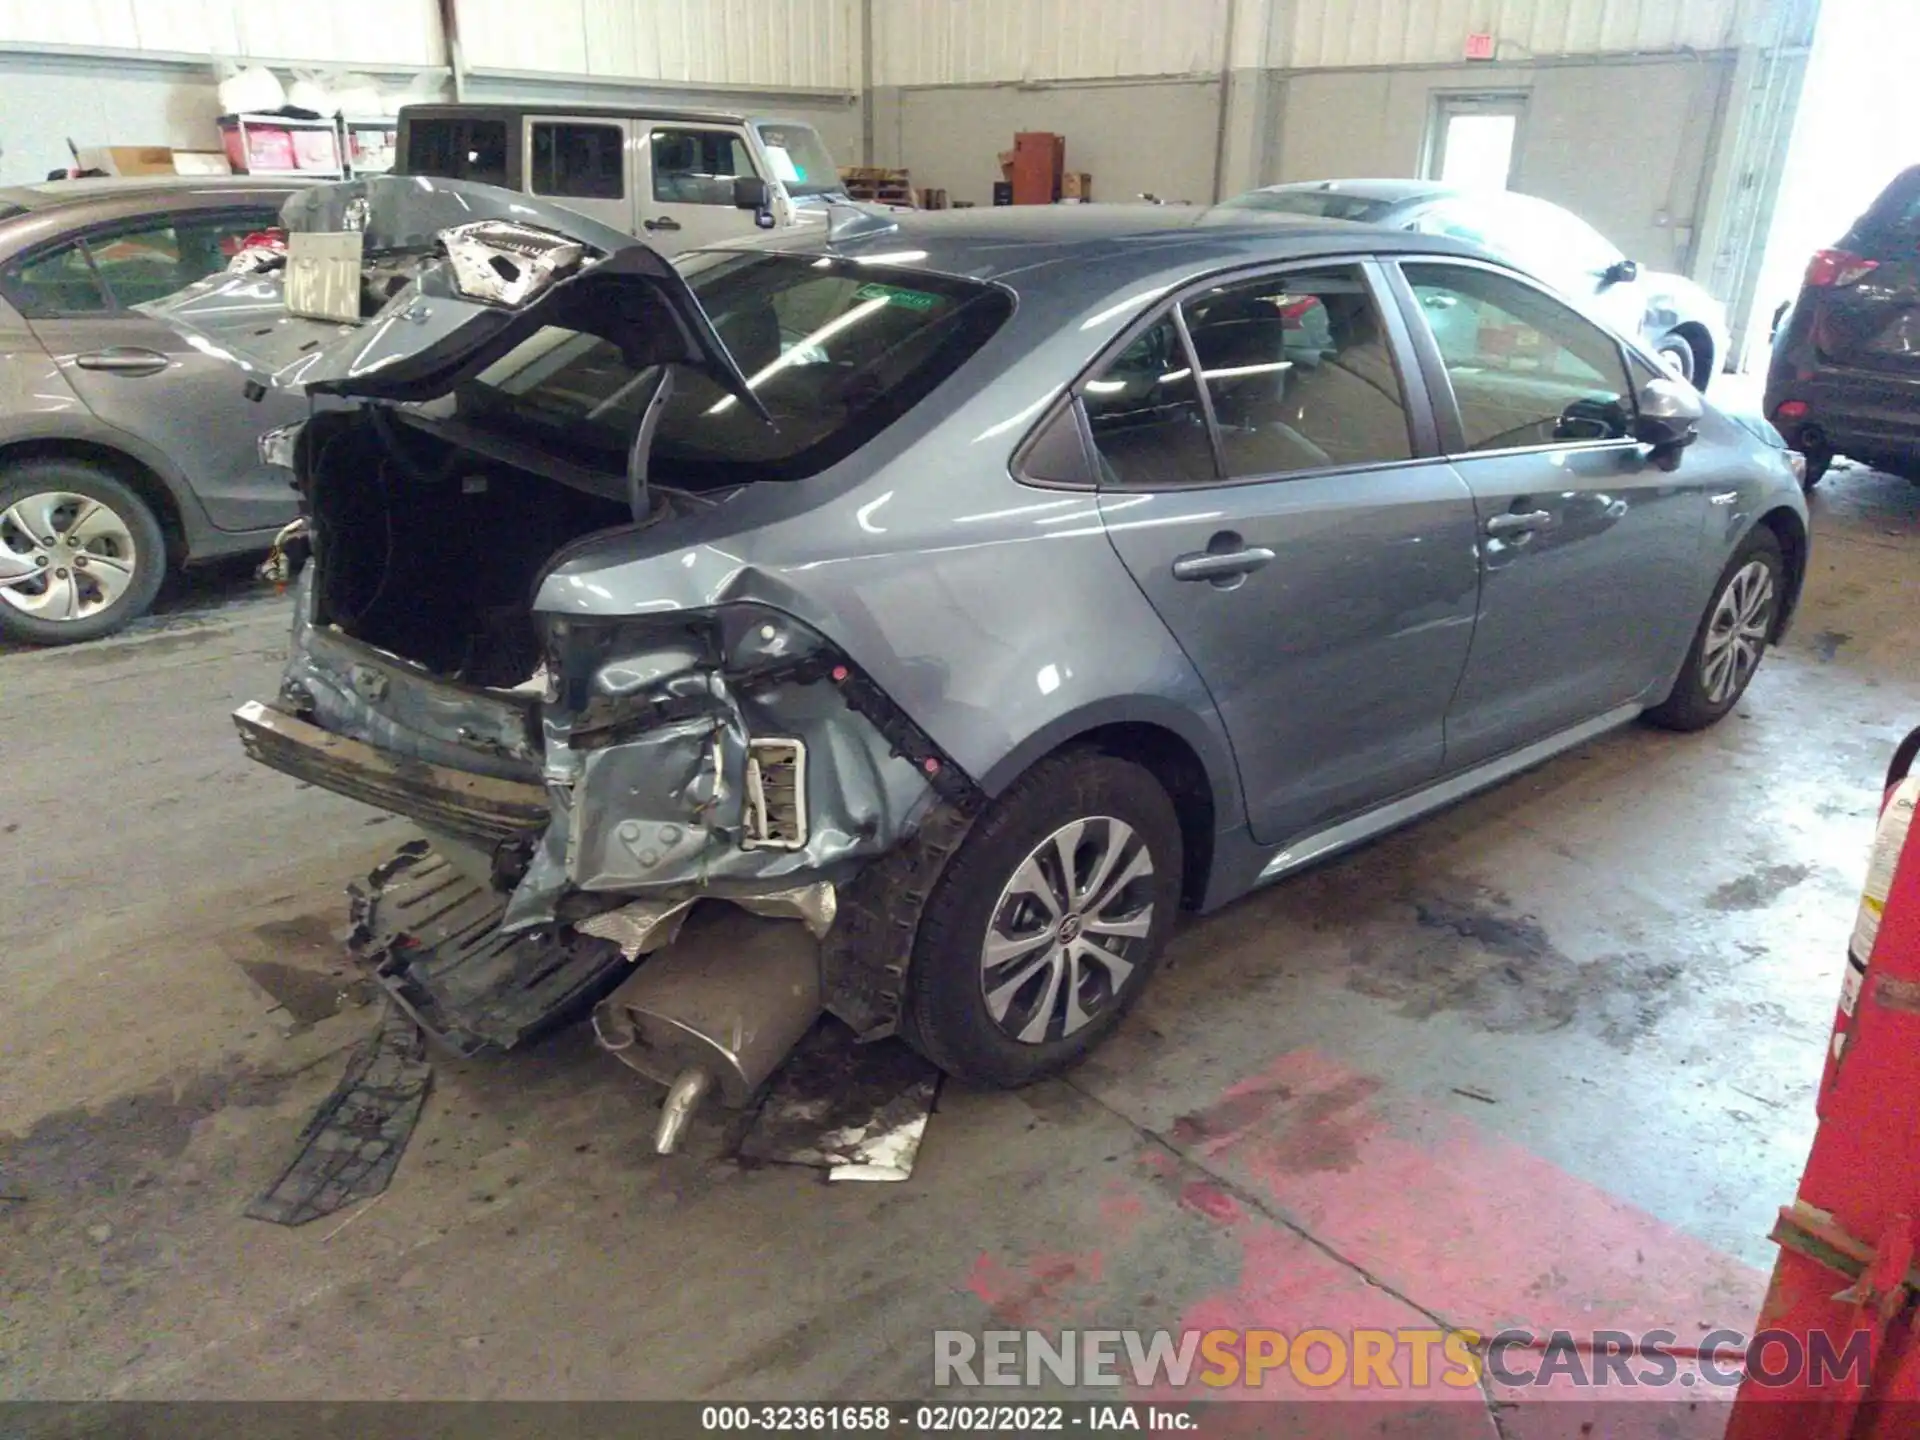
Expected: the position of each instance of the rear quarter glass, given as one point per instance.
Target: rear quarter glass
(1892, 221)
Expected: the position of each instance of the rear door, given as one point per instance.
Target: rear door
(1268, 476)
(1587, 548)
(581, 164)
(685, 174)
(142, 376)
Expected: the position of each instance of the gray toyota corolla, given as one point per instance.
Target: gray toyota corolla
(962, 595)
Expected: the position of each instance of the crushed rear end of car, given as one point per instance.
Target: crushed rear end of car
(513, 630)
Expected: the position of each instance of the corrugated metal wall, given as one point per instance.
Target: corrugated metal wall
(372, 32)
(1398, 32)
(959, 42)
(949, 42)
(779, 44)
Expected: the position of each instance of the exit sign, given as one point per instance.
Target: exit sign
(1479, 47)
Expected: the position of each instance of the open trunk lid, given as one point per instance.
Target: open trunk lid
(400, 287)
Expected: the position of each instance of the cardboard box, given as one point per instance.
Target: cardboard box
(201, 162)
(1076, 185)
(128, 159)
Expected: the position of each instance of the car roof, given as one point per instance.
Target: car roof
(1096, 247)
(503, 109)
(53, 194)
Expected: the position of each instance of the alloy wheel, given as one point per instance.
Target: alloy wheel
(1068, 929)
(64, 556)
(1737, 634)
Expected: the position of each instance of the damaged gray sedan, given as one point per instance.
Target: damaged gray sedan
(951, 599)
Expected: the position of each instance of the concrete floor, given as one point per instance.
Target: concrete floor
(1545, 1059)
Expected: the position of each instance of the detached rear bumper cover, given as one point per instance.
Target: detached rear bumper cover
(480, 808)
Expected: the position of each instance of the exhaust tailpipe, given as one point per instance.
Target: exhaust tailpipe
(718, 1009)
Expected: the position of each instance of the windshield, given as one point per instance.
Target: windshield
(836, 351)
(1327, 204)
(799, 158)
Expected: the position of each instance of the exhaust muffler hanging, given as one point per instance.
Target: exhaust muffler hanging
(718, 1009)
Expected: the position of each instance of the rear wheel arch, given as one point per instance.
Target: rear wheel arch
(137, 476)
(1181, 773)
(1197, 772)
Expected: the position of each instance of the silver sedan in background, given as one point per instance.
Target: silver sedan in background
(123, 448)
(1672, 316)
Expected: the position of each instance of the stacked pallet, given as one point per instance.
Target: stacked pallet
(879, 184)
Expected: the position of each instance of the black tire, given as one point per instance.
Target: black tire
(137, 524)
(946, 1011)
(1677, 353)
(1818, 463)
(1694, 702)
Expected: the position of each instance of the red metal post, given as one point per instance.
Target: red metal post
(1845, 1280)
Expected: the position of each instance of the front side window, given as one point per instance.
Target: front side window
(1525, 368)
(580, 162)
(1144, 409)
(1299, 373)
(799, 158)
(833, 352)
(697, 167)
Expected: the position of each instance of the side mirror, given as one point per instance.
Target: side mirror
(1621, 272)
(749, 193)
(1669, 417)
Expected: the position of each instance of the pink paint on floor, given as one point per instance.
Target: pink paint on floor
(1472, 1228)
(1411, 1200)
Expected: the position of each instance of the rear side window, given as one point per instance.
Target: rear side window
(125, 267)
(696, 167)
(56, 282)
(835, 353)
(1299, 373)
(458, 149)
(148, 264)
(1144, 409)
(579, 161)
(1893, 217)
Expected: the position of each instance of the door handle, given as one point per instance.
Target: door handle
(665, 222)
(1217, 565)
(1523, 521)
(123, 360)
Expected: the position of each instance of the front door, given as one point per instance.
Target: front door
(1271, 487)
(142, 376)
(583, 165)
(1587, 547)
(685, 177)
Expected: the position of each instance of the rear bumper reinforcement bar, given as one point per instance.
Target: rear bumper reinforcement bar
(475, 807)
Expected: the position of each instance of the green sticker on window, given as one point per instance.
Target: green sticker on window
(894, 295)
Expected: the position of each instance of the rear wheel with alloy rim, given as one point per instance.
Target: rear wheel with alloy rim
(80, 553)
(1732, 638)
(1047, 922)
